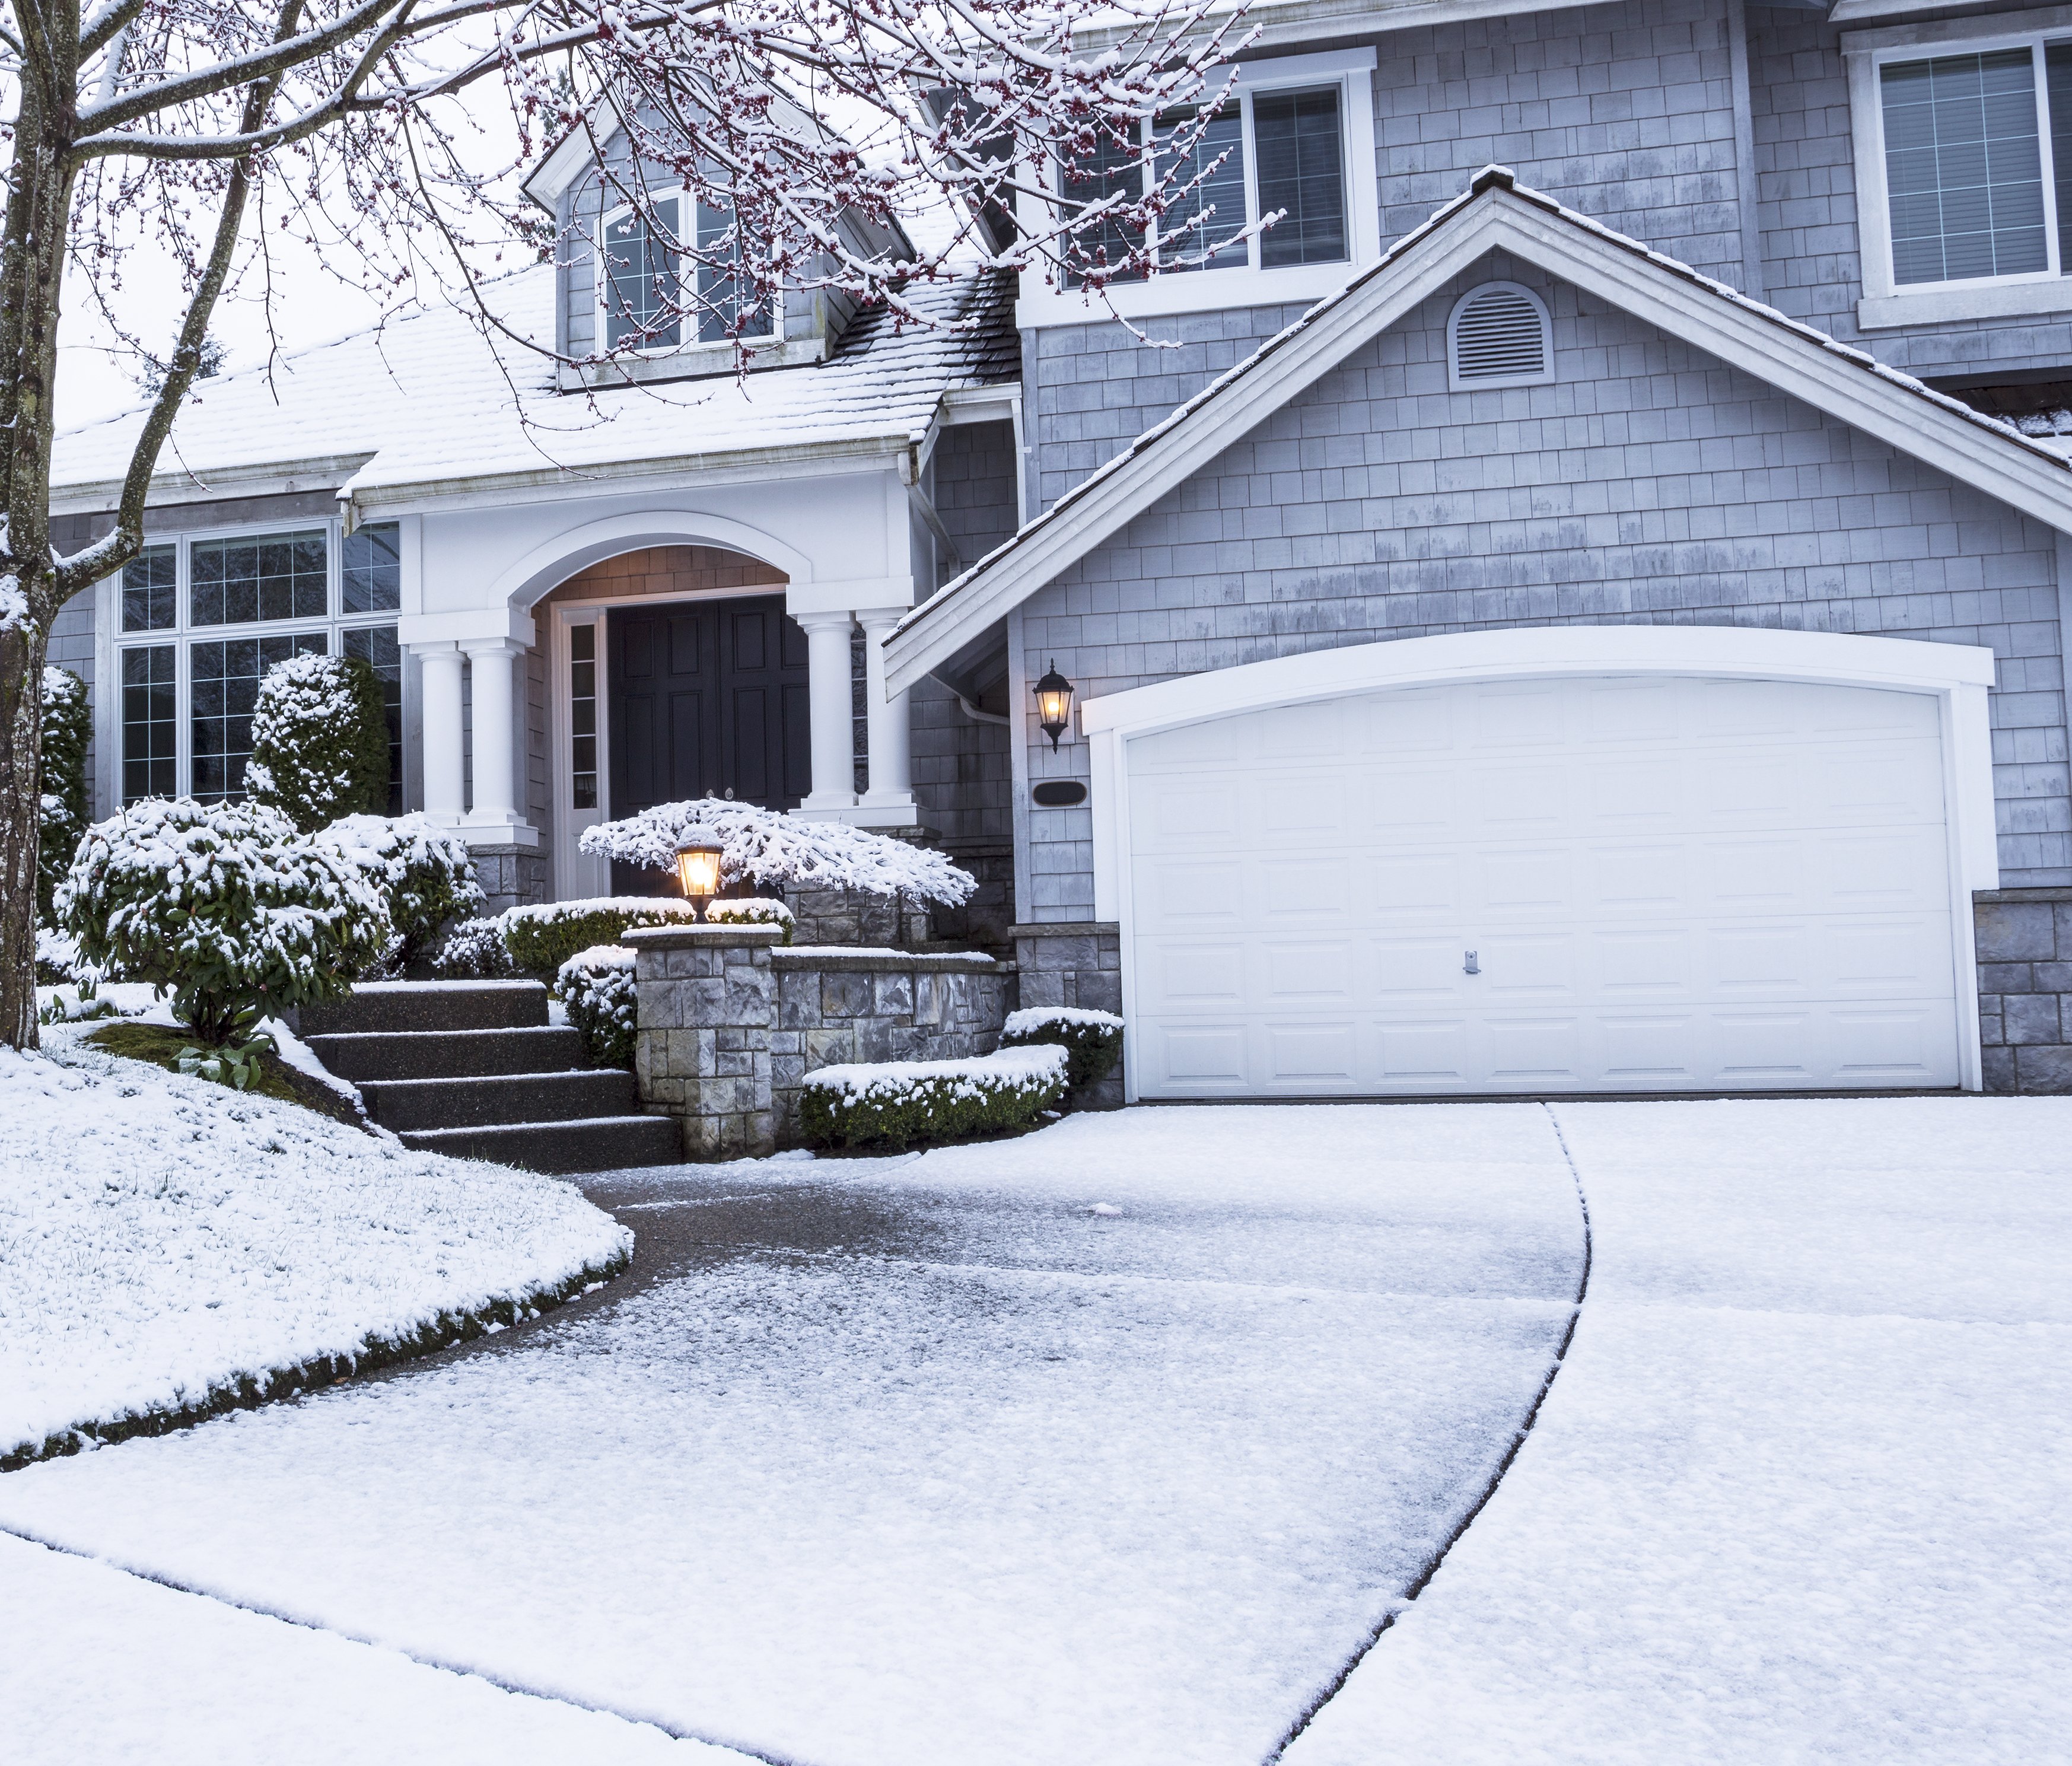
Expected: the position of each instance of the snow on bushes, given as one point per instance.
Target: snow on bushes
(425, 872)
(474, 951)
(319, 740)
(597, 990)
(782, 851)
(896, 1104)
(68, 726)
(1093, 1039)
(752, 910)
(176, 1248)
(541, 939)
(224, 905)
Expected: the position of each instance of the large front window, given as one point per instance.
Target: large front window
(222, 610)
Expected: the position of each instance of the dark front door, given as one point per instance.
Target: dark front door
(706, 698)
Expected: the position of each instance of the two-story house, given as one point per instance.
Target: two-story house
(1594, 626)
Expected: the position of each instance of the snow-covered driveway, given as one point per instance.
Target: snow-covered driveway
(907, 1461)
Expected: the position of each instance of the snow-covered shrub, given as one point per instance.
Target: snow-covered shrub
(474, 951)
(541, 939)
(425, 873)
(225, 905)
(67, 726)
(1093, 1039)
(781, 851)
(319, 740)
(752, 910)
(57, 958)
(896, 1104)
(596, 986)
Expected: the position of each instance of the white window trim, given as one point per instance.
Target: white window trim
(182, 634)
(689, 351)
(1494, 382)
(1886, 302)
(1213, 291)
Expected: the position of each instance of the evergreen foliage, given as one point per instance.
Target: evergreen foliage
(425, 873)
(893, 1104)
(597, 990)
(319, 740)
(541, 939)
(68, 726)
(1092, 1041)
(475, 951)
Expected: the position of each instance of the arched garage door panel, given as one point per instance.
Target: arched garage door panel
(1668, 883)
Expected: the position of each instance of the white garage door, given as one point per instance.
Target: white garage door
(1665, 884)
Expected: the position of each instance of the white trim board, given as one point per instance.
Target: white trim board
(1958, 675)
(1494, 216)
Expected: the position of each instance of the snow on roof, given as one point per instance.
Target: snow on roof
(426, 400)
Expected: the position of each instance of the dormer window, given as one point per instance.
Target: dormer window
(642, 285)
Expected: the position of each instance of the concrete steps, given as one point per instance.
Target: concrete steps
(473, 1069)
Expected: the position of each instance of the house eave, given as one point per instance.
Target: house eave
(216, 485)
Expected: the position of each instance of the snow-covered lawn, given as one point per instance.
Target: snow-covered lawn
(164, 1239)
(1802, 1490)
(904, 1462)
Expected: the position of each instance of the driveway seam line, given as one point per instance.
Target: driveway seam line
(1422, 1580)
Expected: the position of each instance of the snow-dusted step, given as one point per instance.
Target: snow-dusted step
(429, 1006)
(361, 1056)
(401, 1104)
(608, 1143)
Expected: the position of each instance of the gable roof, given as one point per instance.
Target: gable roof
(1494, 214)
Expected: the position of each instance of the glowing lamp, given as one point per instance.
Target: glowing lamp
(698, 869)
(1054, 705)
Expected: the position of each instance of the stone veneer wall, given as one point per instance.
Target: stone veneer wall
(2025, 989)
(1075, 962)
(510, 876)
(730, 1024)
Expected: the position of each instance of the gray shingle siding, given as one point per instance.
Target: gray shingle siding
(1649, 484)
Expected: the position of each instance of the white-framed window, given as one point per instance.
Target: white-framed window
(641, 271)
(1499, 334)
(1963, 148)
(200, 619)
(1297, 136)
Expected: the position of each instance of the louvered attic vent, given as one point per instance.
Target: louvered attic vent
(1498, 336)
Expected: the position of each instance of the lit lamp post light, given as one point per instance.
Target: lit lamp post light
(1054, 705)
(697, 870)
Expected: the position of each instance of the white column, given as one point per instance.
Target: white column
(444, 781)
(828, 695)
(891, 758)
(494, 818)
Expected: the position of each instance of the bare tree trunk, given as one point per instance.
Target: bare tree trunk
(21, 742)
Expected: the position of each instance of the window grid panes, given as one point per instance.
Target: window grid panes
(1115, 167)
(640, 278)
(282, 576)
(583, 715)
(720, 294)
(151, 590)
(1295, 135)
(1964, 167)
(150, 723)
(376, 646)
(223, 686)
(1222, 192)
(371, 570)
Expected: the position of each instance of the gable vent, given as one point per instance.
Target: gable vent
(1498, 336)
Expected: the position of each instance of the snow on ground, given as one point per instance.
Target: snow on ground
(919, 1460)
(95, 1665)
(162, 1235)
(1802, 1489)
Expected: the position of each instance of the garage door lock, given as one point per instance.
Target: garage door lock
(1472, 964)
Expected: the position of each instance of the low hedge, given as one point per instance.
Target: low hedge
(597, 990)
(474, 951)
(894, 1105)
(1093, 1039)
(541, 939)
(752, 910)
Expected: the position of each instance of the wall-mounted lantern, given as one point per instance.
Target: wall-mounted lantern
(698, 869)
(1054, 705)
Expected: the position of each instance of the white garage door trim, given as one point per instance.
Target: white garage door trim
(1958, 675)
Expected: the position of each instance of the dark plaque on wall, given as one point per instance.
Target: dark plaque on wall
(1059, 793)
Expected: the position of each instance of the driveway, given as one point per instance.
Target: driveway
(1122, 1443)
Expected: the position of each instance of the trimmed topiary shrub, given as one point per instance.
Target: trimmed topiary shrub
(474, 951)
(898, 1104)
(596, 989)
(319, 740)
(425, 872)
(541, 939)
(68, 726)
(752, 910)
(225, 905)
(1093, 1039)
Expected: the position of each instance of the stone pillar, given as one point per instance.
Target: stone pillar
(891, 757)
(1079, 963)
(2025, 988)
(446, 789)
(495, 819)
(702, 1054)
(828, 685)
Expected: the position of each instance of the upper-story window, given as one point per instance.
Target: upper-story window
(1296, 137)
(1964, 170)
(642, 289)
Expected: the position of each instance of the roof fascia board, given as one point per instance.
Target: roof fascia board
(1307, 21)
(566, 159)
(174, 489)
